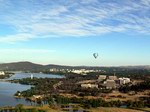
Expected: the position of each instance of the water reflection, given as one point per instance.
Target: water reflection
(7, 89)
(38, 75)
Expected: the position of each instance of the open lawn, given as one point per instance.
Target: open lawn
(46, 108)
(100, 109)
(111, 109)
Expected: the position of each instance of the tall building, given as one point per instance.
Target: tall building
(31, 76)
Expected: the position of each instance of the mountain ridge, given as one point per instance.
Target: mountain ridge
(29, 66)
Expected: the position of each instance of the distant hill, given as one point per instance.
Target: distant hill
(29, 66)
(21, 66)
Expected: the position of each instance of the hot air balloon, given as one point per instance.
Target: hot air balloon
(95, 55)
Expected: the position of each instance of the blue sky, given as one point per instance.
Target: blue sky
(68, 32)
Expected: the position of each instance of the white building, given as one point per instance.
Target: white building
(89, 85)
(37, 96)
(2, 73)
(124, 80)
(110, 84)
(102, 77)
(53, 70)
(31, 76)
(82, 71)
(112, 77)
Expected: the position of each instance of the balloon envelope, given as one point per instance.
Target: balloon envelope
(95, 55)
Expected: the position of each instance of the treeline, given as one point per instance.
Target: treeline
(36, 81)
(5, 76)
(135, 74)
(20, 108)
(94, 103)
(138, 87)
(40, 86)
(136, 104)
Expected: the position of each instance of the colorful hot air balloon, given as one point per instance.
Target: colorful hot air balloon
(95, 55)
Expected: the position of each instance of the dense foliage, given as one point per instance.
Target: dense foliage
(138, 87)
(88, 103)
(40, 86)
(20, 108)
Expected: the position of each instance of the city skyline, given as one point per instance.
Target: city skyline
(69, 32)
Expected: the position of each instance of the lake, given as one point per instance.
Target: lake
(7, 89)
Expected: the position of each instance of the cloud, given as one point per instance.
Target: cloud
(145, 2)
(25, 50)
(16, 37)
(80, 18)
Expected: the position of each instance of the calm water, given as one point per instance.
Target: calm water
(7, 90)
(38, 75)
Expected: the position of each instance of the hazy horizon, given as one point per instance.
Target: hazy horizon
(74, 65)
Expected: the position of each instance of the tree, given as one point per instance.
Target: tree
(19, 108)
